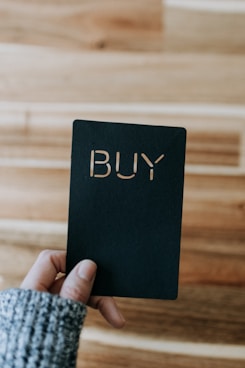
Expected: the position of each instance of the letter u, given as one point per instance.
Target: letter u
(135, 166)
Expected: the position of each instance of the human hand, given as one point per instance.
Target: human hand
(76, 286)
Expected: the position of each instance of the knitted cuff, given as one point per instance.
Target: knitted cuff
(39, 329)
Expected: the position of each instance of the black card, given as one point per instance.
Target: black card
(125, 211)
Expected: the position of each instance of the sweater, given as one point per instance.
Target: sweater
(39, 330)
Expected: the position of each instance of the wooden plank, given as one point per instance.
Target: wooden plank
(123, 77)
(162, 345)
(212, 257)
(212, 313)
(92, 355)
(34, 194)
(208, 258)
(40, 118)
(214, 202)
(217, 316)
(215, 148)
(203, 67)
(83, 24)
(47, 134)
(36, 147)
(202, 267)
(190, 30)
(15, 263)
(161, 320)
(201, 313)
(37, 235)
(210, 202)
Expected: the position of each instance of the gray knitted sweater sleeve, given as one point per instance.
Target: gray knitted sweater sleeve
(39, 330)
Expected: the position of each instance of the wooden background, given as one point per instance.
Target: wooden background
(132, 61)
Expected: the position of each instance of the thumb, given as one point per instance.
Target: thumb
(78, 284)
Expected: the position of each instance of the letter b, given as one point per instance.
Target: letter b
(99, 162)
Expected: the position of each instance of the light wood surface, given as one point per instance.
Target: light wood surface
(49, 76)
(135, 77)
(83, 24)
(219, 32)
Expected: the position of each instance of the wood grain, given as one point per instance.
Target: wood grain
(213, 203)
(212, 148)
(43, 74)
(92, 355)
(202, 313)
(207, 258)
(42, 194)
(190, 30)
(83, 24)
(53, 74)
(212, 257)
(28, 130)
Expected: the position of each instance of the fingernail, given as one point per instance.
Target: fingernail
(87, 270)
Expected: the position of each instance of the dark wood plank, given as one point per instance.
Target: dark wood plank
(212, 257)
(94, 355)
(213, 148)
(200, 314)
(214, 202)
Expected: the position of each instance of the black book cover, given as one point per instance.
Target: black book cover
(125, 211)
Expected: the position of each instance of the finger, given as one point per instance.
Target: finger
(109, 310)
(57, 285)
(44, 271)
(79, 282)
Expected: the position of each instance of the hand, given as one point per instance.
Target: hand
(43, 276)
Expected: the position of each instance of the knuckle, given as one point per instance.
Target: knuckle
(45, 254)
(48, 255)
(74, 293)
(100, 304)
